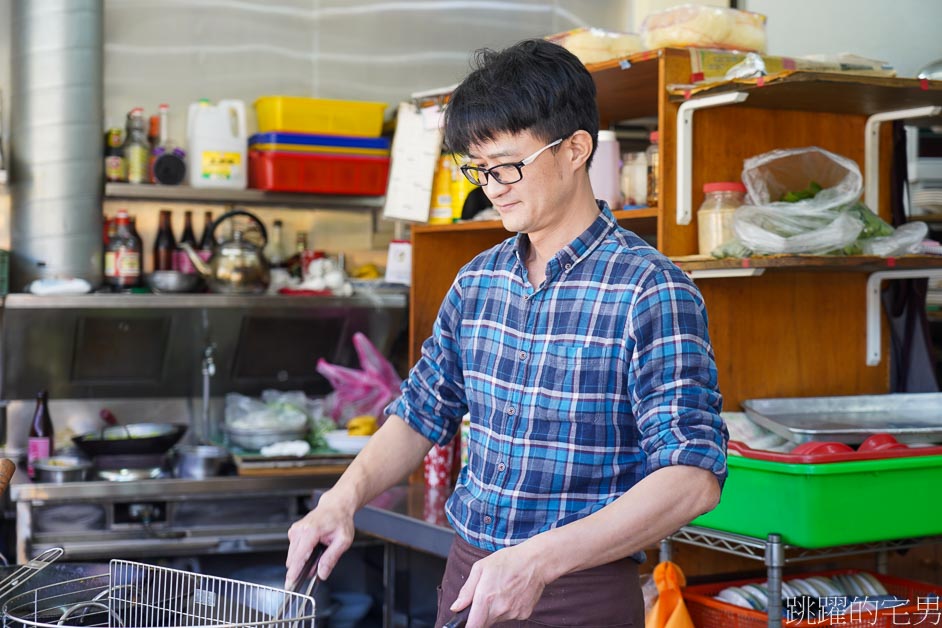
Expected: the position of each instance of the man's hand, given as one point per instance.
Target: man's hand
(329, 523)
(503, 586)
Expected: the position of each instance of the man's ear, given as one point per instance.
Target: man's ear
(580, 147)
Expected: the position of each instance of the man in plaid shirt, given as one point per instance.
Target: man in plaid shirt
(583, 358)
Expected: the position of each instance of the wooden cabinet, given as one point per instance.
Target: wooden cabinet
(799, 329)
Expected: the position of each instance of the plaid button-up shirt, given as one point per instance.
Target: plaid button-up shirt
(576, 390)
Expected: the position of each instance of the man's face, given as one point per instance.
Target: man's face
(537, 200)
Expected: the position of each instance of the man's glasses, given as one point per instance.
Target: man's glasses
(505, 174)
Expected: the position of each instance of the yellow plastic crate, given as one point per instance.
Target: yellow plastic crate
(320, 116)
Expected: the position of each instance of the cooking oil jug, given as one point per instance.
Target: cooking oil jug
(217, 141)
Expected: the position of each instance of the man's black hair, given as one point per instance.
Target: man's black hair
(534, 85)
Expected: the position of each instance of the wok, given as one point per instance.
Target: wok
(133, 439)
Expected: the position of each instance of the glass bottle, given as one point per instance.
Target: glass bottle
(132, 223)
(165, 245)
(123, 255)
(206, 242)
(715, 216)
(115, 166)
(275, 251)
(181, 261)
(653, 155)
(136, 147)
(296, 262)
(41, 433)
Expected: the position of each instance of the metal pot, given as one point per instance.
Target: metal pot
(136, 438)
(198, 462)
(60, 469)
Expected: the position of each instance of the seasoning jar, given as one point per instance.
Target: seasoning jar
(715, 216)
(654, 171)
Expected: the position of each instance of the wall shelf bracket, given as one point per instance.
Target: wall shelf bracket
(872, 148)
(874, 282)
(685, 147)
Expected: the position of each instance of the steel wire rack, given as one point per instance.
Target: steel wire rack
(137, 595)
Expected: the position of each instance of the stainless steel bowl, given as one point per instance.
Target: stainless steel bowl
(170, 281)
(256, 438)
(59, 469)
(199, 462)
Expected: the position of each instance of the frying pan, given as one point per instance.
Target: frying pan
(134, 439)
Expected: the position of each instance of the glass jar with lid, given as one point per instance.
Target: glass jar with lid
(715, 216)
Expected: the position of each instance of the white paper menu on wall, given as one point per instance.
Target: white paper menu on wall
(416, 148)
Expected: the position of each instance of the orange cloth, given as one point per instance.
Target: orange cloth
(669, 611)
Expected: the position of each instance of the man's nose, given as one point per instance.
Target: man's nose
(494, 188)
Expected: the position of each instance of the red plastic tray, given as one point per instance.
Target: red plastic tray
(848, 456)
(318, 174)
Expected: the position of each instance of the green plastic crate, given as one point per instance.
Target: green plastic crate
(827, 504)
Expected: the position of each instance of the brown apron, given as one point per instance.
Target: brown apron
(607, 595)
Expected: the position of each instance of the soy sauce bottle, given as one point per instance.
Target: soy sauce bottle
(41, 441)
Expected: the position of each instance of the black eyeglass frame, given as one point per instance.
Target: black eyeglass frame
(468, 170)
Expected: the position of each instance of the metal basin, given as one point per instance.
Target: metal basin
(172, 281)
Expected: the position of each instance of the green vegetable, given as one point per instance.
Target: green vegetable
(874, 226)
(809, 192)
(319, 427)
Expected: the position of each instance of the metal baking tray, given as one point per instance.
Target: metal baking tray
(910, 417)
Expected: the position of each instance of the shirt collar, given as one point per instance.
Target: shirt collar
(576, 250)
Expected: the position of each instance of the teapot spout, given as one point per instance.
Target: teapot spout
(196, 260)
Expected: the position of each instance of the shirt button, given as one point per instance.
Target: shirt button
(522, 355)
(511, 411)
(501, 466)
(568, 266)
(487, 518)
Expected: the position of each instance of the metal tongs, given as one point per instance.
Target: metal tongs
(26, 571)
(310, 567)
(459, 619)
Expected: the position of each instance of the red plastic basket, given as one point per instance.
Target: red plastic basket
(708, 612)
(318, 174)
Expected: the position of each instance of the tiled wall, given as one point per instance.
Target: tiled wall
(176, 52)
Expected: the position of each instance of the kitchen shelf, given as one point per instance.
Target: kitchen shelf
(635, 219)
(777, 555)
(393, 297)
(830, 92)
(822, 263)
(188, 194)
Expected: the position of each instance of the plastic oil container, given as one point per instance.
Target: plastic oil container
(715, 216)
(217, 140)
(604, 171)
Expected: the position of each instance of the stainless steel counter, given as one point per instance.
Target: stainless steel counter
(162, 517)
(408, 516)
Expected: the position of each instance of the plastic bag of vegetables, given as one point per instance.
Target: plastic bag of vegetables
(803, 200)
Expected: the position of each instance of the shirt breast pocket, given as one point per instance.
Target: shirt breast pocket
(577, 379)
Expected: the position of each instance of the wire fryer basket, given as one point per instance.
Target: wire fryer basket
(136, 595)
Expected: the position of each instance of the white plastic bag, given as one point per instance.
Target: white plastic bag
(906, 239)
(769, 225)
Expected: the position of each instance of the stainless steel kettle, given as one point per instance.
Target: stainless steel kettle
(237, 266)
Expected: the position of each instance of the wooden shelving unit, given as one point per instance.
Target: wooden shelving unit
(765, 328)
(798, 328)
(187, 194)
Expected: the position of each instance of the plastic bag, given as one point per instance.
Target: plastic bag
(906, 239)
(669, 611)
(358, 392)
(817, 225)
(275, 409)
